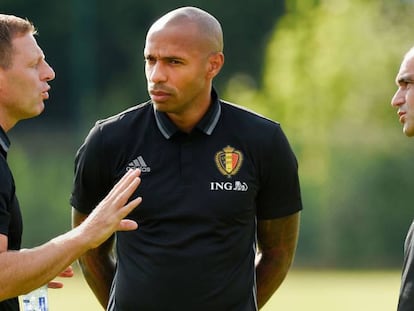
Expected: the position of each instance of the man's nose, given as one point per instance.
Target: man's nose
(48, 73)
(157, 73)
(398, 99)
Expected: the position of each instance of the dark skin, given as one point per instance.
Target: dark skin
(98, 265)
(277, 239)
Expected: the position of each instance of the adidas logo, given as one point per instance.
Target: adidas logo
(139, 163)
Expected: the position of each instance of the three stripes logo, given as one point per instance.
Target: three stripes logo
(139, 163)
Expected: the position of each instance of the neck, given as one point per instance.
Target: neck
(186, 122)
(5, 124)
(188, 119)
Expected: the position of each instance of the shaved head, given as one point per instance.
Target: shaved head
(409, 54)
(207, 27)
(183, 53)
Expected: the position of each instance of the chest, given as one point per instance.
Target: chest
(10, 214)
(198, 179)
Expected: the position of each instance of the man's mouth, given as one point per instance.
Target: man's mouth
(402, 116)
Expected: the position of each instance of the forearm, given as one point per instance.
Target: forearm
(277, 240)
(98, 267)
(24, 270)
(27, 269)
(270, 274)
(98, 264)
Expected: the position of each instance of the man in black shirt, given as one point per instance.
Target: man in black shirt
(403, 101)
(24, 76)
(219, 182)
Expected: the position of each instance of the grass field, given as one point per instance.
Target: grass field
(302, 290)
(337, 291)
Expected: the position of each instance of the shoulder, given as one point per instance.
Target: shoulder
(116, 129)
(262, 134)
(122, 122)
(247, 116)
(127, 116)
(250, 123)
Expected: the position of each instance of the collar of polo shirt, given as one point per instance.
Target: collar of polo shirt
(206, 124)
(4, 142)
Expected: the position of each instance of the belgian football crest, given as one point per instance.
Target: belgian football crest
(229, 161)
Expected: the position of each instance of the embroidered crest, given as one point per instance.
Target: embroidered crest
(229, 161)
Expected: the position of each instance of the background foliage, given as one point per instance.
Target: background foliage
(324, 69)
(329, 72)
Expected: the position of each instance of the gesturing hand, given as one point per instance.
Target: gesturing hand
(108, 216)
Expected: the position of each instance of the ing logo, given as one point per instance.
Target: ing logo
(229, 161)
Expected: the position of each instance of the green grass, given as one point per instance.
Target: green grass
(302, 290)
(337, 291)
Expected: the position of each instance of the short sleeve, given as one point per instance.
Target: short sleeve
(279, 193)
(6, 193)
(90, 182)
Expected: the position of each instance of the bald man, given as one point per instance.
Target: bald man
(219, 185)
(403, 101)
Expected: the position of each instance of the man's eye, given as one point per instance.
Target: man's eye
(149, 60)
(174, 62)
(404, 84)
(407, 84)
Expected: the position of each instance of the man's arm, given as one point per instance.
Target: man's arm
(406, 297)
(24, 270)
(98, 265)
(277, 239)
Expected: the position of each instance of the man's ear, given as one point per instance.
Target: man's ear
(215, 62)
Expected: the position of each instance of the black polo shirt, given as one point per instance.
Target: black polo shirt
(202, 194)
(10, 216)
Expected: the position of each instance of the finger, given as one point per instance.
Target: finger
(122, 191)
(130, 206)
(129, 190)
(124, 181)
(120, 199)
(55, 284)
(127, 225)
(67, 273)
(69, 269)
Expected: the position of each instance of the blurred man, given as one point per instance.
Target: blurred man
(403, 101)
(218, 182)
(24, 76)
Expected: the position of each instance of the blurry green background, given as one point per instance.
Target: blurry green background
(324, 69)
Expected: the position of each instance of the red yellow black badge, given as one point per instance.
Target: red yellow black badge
(229, 161)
